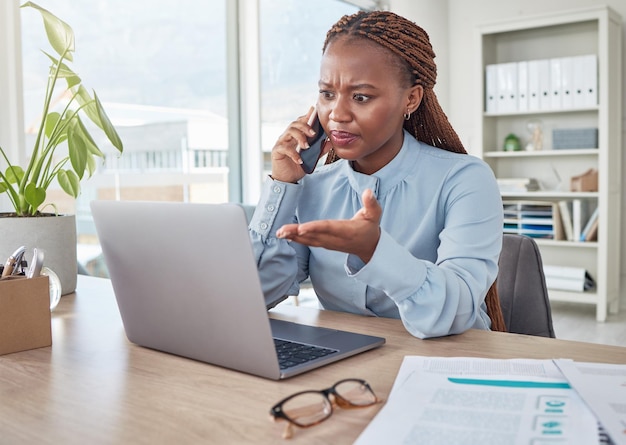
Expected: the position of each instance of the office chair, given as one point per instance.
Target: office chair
(522, 288)
(249, 210)
(82, 270)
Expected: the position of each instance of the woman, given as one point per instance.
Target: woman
(404, 224)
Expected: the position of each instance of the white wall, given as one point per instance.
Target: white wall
(432, 16)
(460, 82)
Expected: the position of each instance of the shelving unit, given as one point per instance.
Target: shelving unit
(595, 30)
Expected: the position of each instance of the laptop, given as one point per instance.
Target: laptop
(186, 283)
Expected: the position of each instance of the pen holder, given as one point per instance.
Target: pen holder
(24, 314)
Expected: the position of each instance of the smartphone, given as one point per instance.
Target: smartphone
(311, 155)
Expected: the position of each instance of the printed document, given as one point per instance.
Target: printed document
(603, 388)
(448, 401)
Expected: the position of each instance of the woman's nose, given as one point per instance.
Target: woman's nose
(339, 111)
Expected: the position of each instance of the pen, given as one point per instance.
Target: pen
(13, 261)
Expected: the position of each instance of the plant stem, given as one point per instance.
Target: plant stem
(35, 158)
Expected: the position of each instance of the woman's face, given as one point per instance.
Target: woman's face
(362, 102)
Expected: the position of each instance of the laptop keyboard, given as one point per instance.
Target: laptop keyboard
(292, 353)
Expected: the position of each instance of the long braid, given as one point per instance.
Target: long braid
(428, 123)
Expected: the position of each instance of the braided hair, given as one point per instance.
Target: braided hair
(414, 54)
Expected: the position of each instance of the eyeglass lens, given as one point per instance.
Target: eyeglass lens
(307, 408)
(354, 393)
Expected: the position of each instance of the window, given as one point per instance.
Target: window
(160, 69)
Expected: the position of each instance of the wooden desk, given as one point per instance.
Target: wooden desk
(93, 386)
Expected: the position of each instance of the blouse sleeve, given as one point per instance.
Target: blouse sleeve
(282, 265)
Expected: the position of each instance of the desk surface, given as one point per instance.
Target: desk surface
(93, 386)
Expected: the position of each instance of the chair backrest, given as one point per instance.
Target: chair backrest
(522, 288)
(249, 209)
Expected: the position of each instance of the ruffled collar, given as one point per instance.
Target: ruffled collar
(388, 177)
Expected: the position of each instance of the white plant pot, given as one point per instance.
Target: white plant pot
(54, 235)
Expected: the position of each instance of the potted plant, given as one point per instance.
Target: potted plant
(64, 150)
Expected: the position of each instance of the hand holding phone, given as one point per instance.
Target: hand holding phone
(311, 155)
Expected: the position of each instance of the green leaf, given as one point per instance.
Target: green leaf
(77, 149)
(65, 71)
(95, 111)
(91, 165)
(69, 182)
(51, 121)
(60, 34)
(35, 196)
(91, 144)
(72, 81)
(107, 126)
(88, 104)
(3, 187)
(14, 174)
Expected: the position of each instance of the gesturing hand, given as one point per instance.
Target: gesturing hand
(358, 235)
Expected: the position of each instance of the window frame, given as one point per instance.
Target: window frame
(243, 92)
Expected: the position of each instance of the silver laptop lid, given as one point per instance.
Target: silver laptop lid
(186, 282)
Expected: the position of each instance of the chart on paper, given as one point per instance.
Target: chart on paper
(438, 401)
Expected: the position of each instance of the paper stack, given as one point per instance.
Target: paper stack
(568, 278)
(518, 185)
(445, 400)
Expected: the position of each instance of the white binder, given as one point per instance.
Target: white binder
(522, 86)
(585, 81)
(533, 85)
(491, 89)
(567, 83)
(578, 82)
(577, 218)
(545, 99)
(555, 84)
(507, 87)
(590, 78)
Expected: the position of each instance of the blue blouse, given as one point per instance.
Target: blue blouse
(441, 235)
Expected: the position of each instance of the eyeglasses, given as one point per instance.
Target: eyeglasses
(308, 408)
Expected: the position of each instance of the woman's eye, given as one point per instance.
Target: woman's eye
(326, 94)
(361, 97)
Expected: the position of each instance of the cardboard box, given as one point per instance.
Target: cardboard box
(587, 182)
(24, 314)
